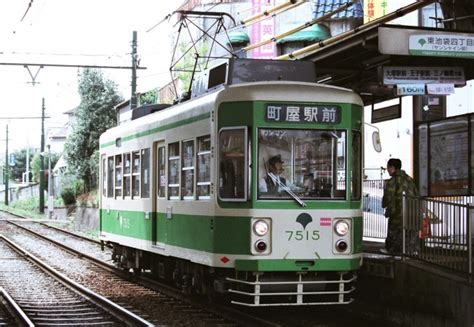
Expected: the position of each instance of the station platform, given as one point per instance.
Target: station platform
(401, 291)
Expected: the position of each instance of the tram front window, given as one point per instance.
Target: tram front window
(308, 164)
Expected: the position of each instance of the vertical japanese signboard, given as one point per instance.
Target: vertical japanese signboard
(374, 9)
(263, 30)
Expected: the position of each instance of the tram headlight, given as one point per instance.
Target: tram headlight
(341, 227)
(260, 227)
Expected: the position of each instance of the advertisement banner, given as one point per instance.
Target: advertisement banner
(374, 9)
(263, 30)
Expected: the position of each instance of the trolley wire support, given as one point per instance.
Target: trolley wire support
(187, 22)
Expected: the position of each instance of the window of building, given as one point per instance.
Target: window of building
(204, 167)
(173, 171)
(161, 172)
(118, 175)
(233, 165)
(145, 173)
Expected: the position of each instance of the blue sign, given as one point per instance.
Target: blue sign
(11, 159)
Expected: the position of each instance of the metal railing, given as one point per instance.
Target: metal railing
(375, 223)
(439, 232)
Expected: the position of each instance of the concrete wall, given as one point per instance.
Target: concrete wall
(416, 294)
(86, 219)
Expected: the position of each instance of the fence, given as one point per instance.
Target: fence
(439, 232)
(21, 193)
(375, 223)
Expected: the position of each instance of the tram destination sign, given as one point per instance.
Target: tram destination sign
(291, 113)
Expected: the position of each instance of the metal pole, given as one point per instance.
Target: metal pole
(28, 165)
(133, 98)
(50, 186)
(404, 224)
(41, 181)
(6, 169)
(470, 216)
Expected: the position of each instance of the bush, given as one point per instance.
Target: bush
(68, 196)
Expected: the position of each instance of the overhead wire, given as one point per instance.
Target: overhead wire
(27, 9)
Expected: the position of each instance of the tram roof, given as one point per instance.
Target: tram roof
(356, 61)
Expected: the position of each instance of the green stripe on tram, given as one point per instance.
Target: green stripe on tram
(159, 129)
(201, 233)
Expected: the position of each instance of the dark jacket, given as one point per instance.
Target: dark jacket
(392, 199)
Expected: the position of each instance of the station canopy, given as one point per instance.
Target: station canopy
(358, 61)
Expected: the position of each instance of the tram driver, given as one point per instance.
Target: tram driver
(274, 183)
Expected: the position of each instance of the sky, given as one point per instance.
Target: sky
(87, 32)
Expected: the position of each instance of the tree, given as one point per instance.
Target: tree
(150, 97)
(35, 165)
(16, 171)
(94, 115)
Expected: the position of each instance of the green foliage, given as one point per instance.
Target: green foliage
(150, 97)
(95, 115)
(27, 207)
(69, 196)
(35, 165)
(90, 199)
(16, 172)
(186, 65)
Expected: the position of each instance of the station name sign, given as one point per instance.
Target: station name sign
(320, 114)
(393, 75)
(441, 45)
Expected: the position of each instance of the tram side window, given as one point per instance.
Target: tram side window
(145, 173)
(204, 167)
(356, 165)
(110, 177)
(136, 174)
(173, 171)
(187, 170)
(104, 176)
(118, 175)
(126, 174)
(232, 164)
(161, 172)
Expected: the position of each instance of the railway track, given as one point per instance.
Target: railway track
(174, 302)
(40, 295)
(10, 312)
(159, 303)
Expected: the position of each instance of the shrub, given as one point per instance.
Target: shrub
(68, 196)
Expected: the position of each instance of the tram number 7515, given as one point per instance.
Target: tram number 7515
(303, 235)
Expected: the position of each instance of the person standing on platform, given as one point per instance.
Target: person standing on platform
(392, 201)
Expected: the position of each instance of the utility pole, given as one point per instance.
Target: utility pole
(41, 184)
(7, 169)
(133, 98)
(50, 186)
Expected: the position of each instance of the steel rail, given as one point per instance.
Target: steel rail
(43, 223)
(18, 313)
(219, 310)
(114, 309)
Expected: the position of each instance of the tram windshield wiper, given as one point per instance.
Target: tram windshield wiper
(286, 189)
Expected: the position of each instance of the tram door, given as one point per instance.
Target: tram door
(159, 191)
